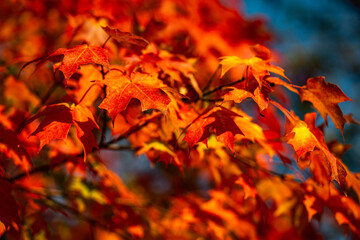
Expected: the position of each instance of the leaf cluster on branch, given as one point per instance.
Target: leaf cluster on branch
(190, 86)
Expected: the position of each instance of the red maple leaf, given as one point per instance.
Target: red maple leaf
(249, 89)
(13, 148)
(218, 120)
(326, 98)
(144, 87)
(57, 122)
(9, 208)
(79, 55)
(304, 137)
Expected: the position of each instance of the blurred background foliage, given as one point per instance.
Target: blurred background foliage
(318, 38)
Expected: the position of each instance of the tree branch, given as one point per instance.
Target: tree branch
(107, 145)
(130, 131)
(43, 168)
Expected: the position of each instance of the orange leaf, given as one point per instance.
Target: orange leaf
(125, 37)
(304, 137)
(79, 55)
(343, 220)
(313, 205)
(57, 122)
(25, 100)
(253, 132)
(259, 67)
(81, 87)
(278, 81)
(325, 98)
(238, 95)
(249, 191)
(161, 62)
(144, 87)
(304, 140)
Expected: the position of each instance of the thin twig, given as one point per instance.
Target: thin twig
(223, 86)
(211, 78)
(104, 116)
(212, 100)
(254, 166)
(119, 148)
(44, 168)
(130, 131)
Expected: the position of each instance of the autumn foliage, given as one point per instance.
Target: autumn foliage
(89, 87)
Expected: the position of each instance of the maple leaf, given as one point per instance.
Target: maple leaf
(278, 81)
(86, 29)
(80, 86)
(261, 51)
(209, 202)
(161, 61)
(149, 90)
(320, 167)
(281, 192)
(126, 37)
(238, 95)
(25, 100)
(259, 67)
(304, 140)
(9, 207)
(249, 190)
(312, 205)
(219, 120)
(13, 148)
(180, 114)
(304, 137)
(252, 131)
(79, 55)
(339, 204)
(58, 120)
(325, 97)
(353, 180)
(158, 151)
(249, 88)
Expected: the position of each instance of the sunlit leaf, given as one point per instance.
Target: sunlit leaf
(79, 55)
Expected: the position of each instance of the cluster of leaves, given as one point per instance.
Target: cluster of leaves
(177, 82)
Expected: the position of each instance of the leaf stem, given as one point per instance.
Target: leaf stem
(106, 41)
(82, 98)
